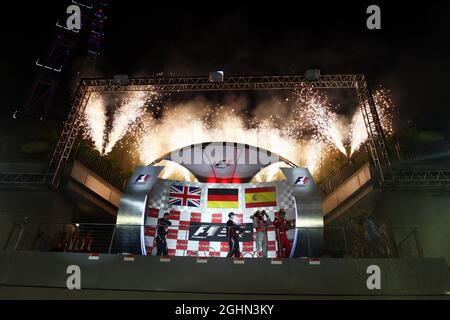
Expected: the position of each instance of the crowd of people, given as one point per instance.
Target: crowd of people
(368, 241)
(77, 242)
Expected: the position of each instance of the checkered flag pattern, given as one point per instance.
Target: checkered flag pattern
(178, 242)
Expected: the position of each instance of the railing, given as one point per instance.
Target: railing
(339, 176)
(101, 167)
(403, 152)
(353, 242)
(410, 151)
(338, 242)
(21, 179)
(409, 244)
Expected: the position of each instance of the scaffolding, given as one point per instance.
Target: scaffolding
(53, 64)
(376, 138)
(421, 178)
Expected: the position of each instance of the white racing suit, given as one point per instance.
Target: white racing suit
(260, 226)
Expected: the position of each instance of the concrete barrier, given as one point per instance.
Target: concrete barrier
(296, 277)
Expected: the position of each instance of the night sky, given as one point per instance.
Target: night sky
(410, 55)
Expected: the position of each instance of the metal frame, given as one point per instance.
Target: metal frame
(23, 178)
(60, 54)
(422, 178)
(377, 143)
(377, 139)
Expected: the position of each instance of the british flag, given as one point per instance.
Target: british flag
(185, 196)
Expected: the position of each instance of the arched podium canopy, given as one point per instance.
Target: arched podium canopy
(223, 161)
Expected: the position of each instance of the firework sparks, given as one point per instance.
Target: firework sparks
(221, 125)
(306, 131)
(315, 152)
(126, 116)
(358, 131)
(385, 108)
(271, 173)
(316, 111)
(175, 171)
(127, 112)
(95, 120)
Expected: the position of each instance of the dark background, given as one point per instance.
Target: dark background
(409, 55)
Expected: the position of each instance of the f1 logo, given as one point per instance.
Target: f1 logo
(142, 179)
(301, 181)
(209, 230)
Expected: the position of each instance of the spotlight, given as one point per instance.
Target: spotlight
(216, 76)
(312, 75)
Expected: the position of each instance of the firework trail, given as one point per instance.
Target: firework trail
(95, 120)
(316, 112)
(385, 109)
(213, 125)
(358, 131)
(124, 119)
(305, 131)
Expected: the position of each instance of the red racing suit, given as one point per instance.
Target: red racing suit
(284, 244)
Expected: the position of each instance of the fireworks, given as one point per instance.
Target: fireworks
(333, 129)
(316, 112)
(358, 131)
(385, 109)
(126, 116)
(270, 173)
(185, 125)
(95, 120)
(304, 130)
(175, 171)
(105, 129)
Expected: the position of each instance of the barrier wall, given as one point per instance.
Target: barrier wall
(335, 277)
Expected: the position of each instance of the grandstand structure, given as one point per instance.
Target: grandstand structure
(373, 173)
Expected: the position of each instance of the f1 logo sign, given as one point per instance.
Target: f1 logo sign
(301, 181)
(142, 179)
(209, 230)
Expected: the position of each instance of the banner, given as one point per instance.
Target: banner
(217, 233)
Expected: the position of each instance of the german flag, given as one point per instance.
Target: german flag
(260, 197)
(223, 198)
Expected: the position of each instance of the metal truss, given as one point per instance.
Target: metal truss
(50, 67)
(59, 55)
(421, 178)
(376, 137)
(246, 83)
(68, 135)
(22, 179)
(229, 83)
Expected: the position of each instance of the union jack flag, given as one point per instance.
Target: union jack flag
(184, 196)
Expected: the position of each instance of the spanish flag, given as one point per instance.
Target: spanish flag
(223, 198)
(260, 197)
